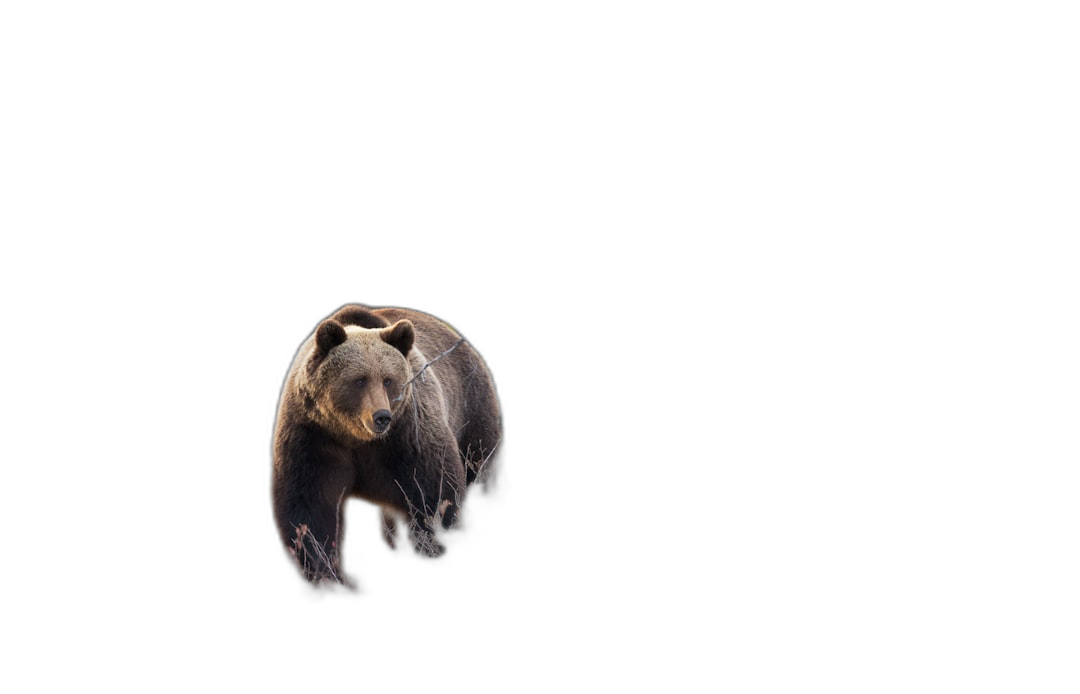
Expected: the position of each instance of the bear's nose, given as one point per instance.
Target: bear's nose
(381, 419)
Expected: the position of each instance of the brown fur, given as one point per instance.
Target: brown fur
(359, 315)
(445, 426)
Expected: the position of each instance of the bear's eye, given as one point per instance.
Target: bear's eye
(361, 382)
(387, 383)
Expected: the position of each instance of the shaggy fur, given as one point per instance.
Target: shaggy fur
(361, 368)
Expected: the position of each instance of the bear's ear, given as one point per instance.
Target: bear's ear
(355, 314)
(329, 335)
(400, 336)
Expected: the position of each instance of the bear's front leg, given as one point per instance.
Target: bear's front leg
(309, 489)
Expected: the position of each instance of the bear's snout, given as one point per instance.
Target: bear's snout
(381, 419)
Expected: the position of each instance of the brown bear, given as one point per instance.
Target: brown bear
(387, 404)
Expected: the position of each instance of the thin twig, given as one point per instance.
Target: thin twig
(337, 518)
(442, 474)
(430, 362)
(416, 420)
(449, 481)
(407, 501)
(423, 500)
(484, 462)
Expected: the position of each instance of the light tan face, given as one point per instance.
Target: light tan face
(361, 382)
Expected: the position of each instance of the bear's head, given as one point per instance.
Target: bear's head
(356, 377)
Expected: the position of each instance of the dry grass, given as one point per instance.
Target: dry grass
(320, 565)
(320, 562)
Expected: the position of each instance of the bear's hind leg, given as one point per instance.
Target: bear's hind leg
(394, 529)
